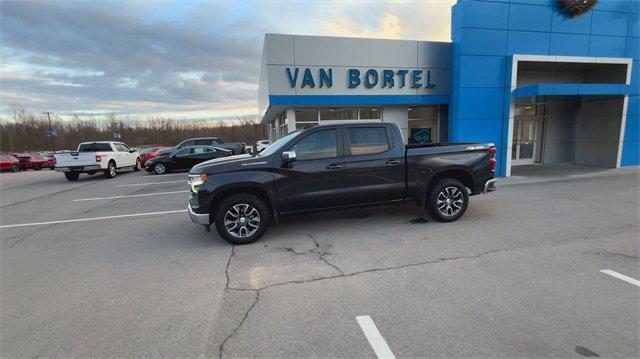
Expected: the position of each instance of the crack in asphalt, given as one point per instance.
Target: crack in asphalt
(316, 251)
(257, 291)
(613, 254)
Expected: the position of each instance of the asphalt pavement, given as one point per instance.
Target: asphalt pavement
(114, 268)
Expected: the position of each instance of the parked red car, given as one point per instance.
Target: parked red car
(9, 163)
(34, 161)
(149, 153)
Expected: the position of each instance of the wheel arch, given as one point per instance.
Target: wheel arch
(459, 173)
(255, 189)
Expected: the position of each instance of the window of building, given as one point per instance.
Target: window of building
(306, 117)
(341, 113)
(282, 125)
(369, 113)
(320, 144)
(423, 124)
(368, 140)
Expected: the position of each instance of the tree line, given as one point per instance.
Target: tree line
(21, 131)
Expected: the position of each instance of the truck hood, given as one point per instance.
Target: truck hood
(225, 164)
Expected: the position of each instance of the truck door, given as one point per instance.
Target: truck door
(316, 178)
(374, 165)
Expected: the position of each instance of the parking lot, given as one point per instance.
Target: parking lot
(114, 268)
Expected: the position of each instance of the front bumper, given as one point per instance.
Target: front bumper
(199, 218)
(490, 185)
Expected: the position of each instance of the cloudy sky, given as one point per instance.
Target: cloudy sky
(183, 59)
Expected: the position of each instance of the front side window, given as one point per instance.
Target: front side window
(320, 144)
(368, 140)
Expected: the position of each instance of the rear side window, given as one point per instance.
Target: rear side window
(95, 147)
(320, 144)
(368, 140)
(202, 142)
(184, 152)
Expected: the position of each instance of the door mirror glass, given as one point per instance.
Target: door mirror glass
(288, 156)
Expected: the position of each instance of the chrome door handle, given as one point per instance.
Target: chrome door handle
(393, 162)
(334, 166)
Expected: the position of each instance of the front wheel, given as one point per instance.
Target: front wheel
(448, 200)
(72, 176)
(110, 172)
(138, 165)
(242, 219)
(15, 168)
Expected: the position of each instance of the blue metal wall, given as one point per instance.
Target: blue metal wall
(485, 33)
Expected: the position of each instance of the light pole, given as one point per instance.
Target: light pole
(53, 149)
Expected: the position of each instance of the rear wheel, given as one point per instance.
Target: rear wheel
(72, 176)
(242, 219)
(15, 168)
(159, 168)
(138, 165)
(448, 200)
(110, 172)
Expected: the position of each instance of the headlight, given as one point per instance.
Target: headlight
(196, 181)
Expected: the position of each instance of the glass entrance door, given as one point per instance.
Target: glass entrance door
(526, 134)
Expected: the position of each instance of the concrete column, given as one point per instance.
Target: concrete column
(399, 115)
(291, 120)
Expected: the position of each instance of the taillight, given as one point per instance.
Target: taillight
(55, 161)
(492, 161)
(98, 158)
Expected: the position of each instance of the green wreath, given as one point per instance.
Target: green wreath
(576, 7)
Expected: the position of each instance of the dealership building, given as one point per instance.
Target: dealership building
(545, 83)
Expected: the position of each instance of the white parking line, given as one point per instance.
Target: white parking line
(151, 183)
(621, 277)
(127, 196)
(374, 337)
(91, 219)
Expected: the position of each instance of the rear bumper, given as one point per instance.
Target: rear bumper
(78, 168)
(198, 218)
(490, 185)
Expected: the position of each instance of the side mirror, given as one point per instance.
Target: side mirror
(132, 150)
(288, 156)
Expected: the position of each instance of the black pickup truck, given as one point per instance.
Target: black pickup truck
(334, 166)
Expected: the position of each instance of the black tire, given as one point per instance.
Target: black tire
(160, 168)
(138, 165)
(247, 204)
(15, 168)
(110, 172)
(448, 200)
(72, 176)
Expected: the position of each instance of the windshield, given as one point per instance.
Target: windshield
(278, 144)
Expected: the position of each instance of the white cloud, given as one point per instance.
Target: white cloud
(176, 58)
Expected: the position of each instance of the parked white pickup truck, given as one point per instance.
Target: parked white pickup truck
(99, 156)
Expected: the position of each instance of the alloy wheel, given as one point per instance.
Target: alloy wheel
(159, 168)
(242, 220)
(450, 201)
